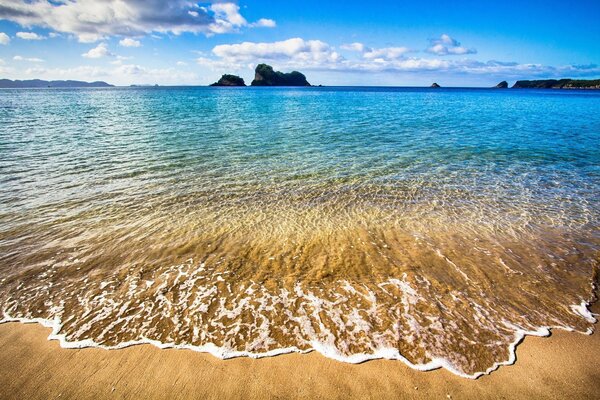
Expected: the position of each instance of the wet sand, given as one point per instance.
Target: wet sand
(566, 365)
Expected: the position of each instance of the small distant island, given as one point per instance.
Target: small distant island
(264, 75)
(434, 85)
(558, 84)
(502, 85)
(230, 80)
(38, 83)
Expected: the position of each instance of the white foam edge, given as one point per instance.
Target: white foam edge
(387, 353)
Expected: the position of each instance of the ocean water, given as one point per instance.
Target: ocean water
(436, 227)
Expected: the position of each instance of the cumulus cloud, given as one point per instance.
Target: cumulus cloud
(301, 54)
(356, 46)
(128, 42)
(229, 12)
(119, 60)
(293, 51)
(98, 52)
(264, 23)
(224, 66)
(4, 38)
(446, 45)
(384, 53)
(32, 59)
(29, 36)
(93, 20)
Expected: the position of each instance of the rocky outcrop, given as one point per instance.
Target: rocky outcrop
(266, 76)
(502, 85)
(230, 80)
(558, 84)
(435, 85)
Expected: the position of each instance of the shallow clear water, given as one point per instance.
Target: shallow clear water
(432, 226)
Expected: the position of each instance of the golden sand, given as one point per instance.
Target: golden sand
(566, 365)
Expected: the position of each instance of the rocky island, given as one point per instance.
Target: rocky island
(502, 85)
(434, 85)
(38, 83)
(266, 76)
(230, 80)
(558, 84)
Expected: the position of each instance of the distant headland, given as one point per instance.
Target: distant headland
(558, 84)
(38, 83)
(547, 84)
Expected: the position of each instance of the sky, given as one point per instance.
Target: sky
(395, 43)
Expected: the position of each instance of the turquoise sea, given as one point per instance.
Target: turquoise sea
(433, 226)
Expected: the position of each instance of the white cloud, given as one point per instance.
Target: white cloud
(119, 60)
(446, 45)
(356, 46)
(128, 42)
(93, 20)
(4, 38)
(386, 53)
(30, 36)
(181, 63)
(32, 59)
(228, 13)
(227, 18)
(98, 52)
(224, 66)
(293, 51)
(264, 23)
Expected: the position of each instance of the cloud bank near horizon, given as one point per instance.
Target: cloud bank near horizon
(297, 53)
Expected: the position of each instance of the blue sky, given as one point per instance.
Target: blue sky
(404, 43)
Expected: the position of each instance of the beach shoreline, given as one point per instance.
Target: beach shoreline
(378, 234)
(564, 364)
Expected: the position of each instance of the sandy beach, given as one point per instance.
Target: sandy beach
(331, 200)
(565, 365)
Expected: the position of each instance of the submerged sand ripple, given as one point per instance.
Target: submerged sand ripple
(345, 278)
